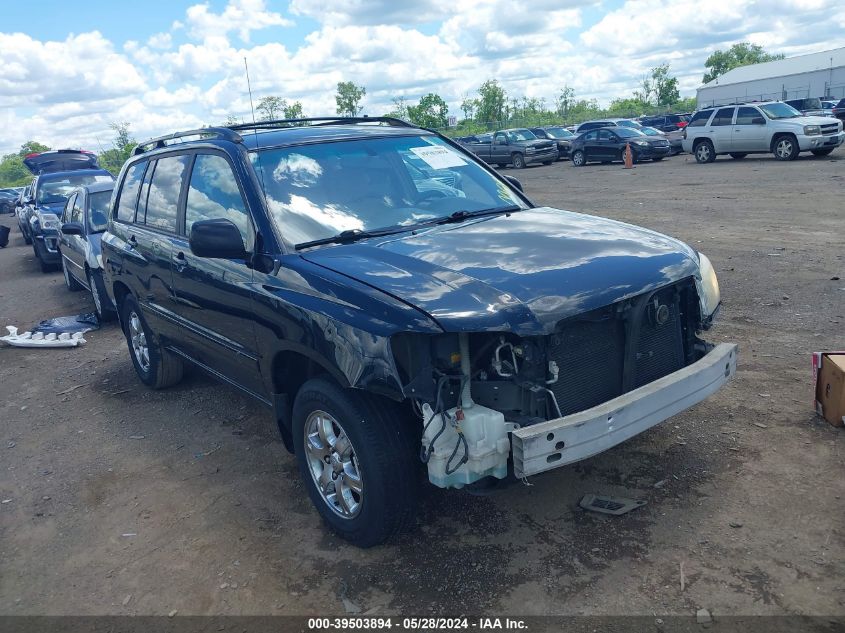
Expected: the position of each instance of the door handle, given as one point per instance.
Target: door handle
(132, 241)
(179, 261)
(180, 256)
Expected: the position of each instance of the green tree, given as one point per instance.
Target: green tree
(741, 54)
(400, 109)
(468, 106)
(491, 102)
(293, 110)
(563, 101)
(665, 86)
(13, 173)
(348, 98)
(113, 159)
(270, 108)
(231, 119)
(431, 111)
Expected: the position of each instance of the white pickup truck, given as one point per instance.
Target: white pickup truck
(759, 128)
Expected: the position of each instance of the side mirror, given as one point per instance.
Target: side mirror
(514, 182)
(217, 238)
(72, 228)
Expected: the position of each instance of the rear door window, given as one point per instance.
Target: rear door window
(128, 199)
(746, 116)
(214, 193)
(723, 117)
(699, 119)
(165, 188)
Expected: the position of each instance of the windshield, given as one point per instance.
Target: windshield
(320, 190)
(626, 132)
(559, 132)
(521, 135)
(780, 111)
(650, 131)
(627, 123)
(98, 211)
(57, 190)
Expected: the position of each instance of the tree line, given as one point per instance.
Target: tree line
(489, 108)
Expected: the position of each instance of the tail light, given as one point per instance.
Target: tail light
(681, 124)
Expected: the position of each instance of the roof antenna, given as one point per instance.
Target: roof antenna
(255, 133)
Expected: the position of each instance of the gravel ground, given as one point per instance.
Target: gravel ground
(121, 500)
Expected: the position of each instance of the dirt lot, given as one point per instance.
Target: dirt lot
(126, 501)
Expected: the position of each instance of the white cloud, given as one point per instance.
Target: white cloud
(243, 16)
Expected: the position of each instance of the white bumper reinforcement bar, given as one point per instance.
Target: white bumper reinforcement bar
(581, 435)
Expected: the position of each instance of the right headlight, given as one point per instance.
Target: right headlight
(812, 130)
(708, 287)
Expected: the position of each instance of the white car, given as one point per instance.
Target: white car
(759, 128)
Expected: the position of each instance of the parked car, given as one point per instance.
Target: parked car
(838, 110)
(84, 220)
(57, 173)
(608, 144)
(675, 138)
(8, 199)
(517, 147)
(560, 135)
(20, 211)
(758, 128)
(827, 106)
(384, 326)
(594, 125)
(665, 122)
(811, 106)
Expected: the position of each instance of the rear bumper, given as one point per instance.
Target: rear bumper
(581, 435)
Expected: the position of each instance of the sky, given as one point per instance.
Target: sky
(67, 69)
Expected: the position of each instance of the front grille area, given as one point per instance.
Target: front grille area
(827, 130)
(613, 350)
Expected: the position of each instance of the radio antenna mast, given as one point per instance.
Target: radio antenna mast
(255, 132)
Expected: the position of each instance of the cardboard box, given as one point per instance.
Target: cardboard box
(829, 374)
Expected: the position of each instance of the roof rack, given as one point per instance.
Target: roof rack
(325, 120)
(213, 132)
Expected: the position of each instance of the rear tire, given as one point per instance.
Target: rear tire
(356, 456)
(156, 367)
(822, 152)
(704, 152)
(518, 160)
(738, 155)
(786, 147)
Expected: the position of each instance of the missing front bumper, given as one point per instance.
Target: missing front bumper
(581, 435)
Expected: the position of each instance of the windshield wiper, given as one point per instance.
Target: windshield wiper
(460, 216)
(353, 235)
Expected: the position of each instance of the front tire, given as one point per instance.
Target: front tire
(704, 152)
(786, 147)
(70, 280)
(518, 160)
(156, 367)
(98, 295)
(356, 457)
(579, 158)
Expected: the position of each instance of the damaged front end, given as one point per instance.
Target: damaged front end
(597, 379)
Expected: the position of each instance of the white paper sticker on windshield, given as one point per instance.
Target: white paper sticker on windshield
(439, 157)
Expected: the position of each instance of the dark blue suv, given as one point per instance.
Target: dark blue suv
(395, 302)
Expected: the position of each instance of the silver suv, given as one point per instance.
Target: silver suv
(759, 128)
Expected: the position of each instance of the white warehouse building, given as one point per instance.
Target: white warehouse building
(815, 75)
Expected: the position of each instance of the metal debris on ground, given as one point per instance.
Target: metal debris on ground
(610, 505)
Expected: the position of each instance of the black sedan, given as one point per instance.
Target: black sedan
(608, 144)
(560, 135)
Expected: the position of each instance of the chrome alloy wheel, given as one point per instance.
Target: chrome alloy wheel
(139, 342)
(702, 152)
(784, 148)
(333, 464)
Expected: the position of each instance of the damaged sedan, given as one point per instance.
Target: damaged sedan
(399, 306)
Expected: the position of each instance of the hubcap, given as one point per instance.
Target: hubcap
(703, 152)
(139, 341)
(579, 158)
(333, 464)
(784, 148)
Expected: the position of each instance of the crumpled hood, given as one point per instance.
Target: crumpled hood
(520, 273)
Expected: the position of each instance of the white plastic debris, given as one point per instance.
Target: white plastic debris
(39, 339)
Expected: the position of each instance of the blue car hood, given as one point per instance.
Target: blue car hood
(521, 273)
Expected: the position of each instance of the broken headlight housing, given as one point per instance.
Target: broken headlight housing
(708, 287)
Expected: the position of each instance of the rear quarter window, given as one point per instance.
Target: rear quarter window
(128, 196)
(699, 119)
